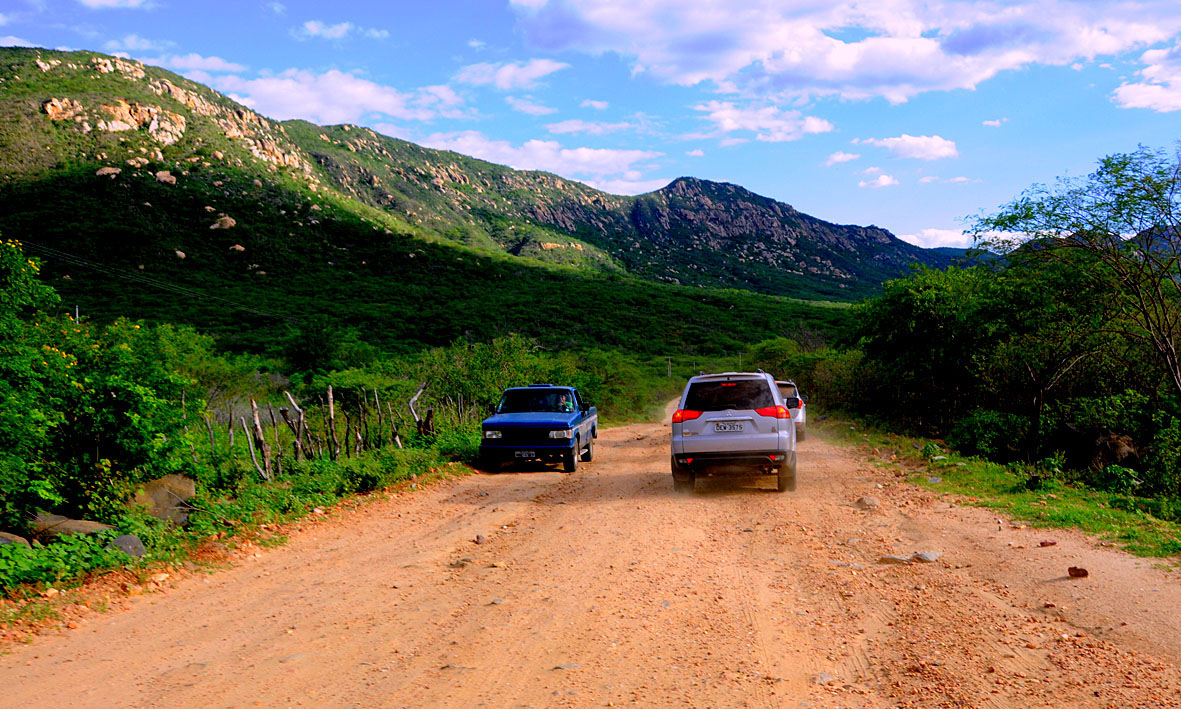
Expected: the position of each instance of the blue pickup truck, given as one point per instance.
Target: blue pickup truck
(539, 422)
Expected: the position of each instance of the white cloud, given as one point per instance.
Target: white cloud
(194, 63)
(1160, 86)
(513, 75)
(960, 180)
(919, 147)
(336, 97)
(11, 41)
(598, 164)
(932, 238)
(597, 105)
(873, 170)
(108, 4)
(277, 7)
(589, 127)
(341, 30)
(698, 153)
(768, 123)
(880, 181)
(4, 19)
(134, 43)
(527, 105)
(997, 123)
(894, 49)
(315, 28)
(840, 157)
(476, 44)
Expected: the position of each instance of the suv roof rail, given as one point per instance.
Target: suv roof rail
(541, 385)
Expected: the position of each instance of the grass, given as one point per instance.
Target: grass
(1120, 519)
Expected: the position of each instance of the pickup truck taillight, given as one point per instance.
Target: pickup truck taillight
(682, 415)
(775, 412)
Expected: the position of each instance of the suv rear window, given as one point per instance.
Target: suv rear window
(721, 396)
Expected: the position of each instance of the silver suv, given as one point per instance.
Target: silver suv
(734, 423)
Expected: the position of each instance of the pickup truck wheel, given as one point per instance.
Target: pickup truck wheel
(589, 454)
(570, 461)
(787, 475)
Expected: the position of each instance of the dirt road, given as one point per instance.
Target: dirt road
(604, 588)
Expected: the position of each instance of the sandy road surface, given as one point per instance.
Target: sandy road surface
(604, 588)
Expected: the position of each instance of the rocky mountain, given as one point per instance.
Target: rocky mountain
(65, 110)
(149, 195)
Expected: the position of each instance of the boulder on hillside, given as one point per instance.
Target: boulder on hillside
(166, 177)
(6, 538)
(130, 545)
(166, 498)
(224, 222)
(46, 524)
(108, 172)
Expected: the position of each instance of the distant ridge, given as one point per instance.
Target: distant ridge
(141, 169)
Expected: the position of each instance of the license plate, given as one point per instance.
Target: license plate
(525, 454)
(727, 427)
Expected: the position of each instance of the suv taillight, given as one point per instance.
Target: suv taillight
(775, 412)
(682, 415)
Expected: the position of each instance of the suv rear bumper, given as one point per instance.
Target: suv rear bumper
(732, 462)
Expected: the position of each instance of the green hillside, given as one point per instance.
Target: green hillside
(195, 210)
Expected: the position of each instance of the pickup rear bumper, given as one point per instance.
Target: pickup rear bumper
(522, 452)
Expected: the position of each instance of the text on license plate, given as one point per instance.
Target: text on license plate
(525, 454)
(727, 426)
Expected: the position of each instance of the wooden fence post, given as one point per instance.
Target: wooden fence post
(261, 440)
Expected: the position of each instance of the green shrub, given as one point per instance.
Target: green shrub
(1116, 478)
(995, 435)
(1162, 474)
(65, 558)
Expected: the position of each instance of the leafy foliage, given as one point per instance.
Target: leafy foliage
(67, 558)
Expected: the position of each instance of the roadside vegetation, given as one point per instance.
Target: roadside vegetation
(1052, 369)
(1036, 495)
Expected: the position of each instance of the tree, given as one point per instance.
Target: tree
(1126, 217)
(1044, 326)
(921, 338)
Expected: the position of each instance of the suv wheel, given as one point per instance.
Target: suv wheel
(682, 479)
(787, 475)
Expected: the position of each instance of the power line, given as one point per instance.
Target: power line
(148, 280)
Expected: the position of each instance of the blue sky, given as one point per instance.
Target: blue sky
(904, 114)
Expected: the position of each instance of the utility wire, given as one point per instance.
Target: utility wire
(148, 280)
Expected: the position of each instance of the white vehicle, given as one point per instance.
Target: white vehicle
(796, 403)
(734, 423)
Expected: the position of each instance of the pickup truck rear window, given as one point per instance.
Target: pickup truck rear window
(723, 396)
(517, 401)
